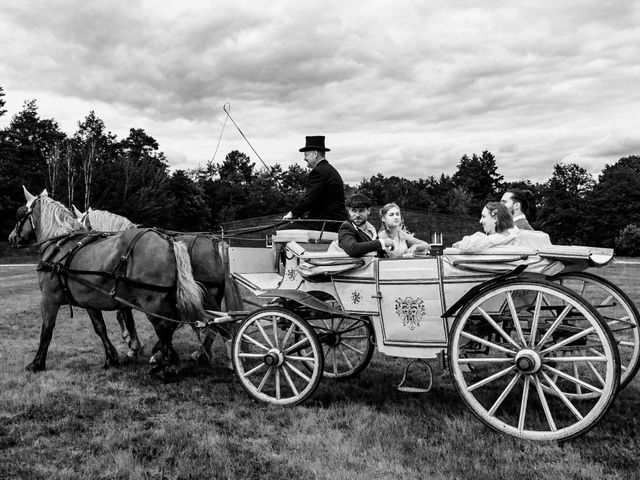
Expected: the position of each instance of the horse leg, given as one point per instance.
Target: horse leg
(204, 355)
(129, 332)
(165, 360)
(49, 311)
(111, 353)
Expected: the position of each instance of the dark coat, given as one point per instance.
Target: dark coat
(523, 224)
(356, 243)
(324, 195)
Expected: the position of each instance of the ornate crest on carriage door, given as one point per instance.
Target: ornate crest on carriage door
(410, 311)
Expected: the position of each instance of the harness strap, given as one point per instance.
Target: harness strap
(119, 271)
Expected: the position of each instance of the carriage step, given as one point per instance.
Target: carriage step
(403, 387)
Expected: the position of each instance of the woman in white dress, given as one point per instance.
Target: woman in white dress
(498, 226)
(404, 244)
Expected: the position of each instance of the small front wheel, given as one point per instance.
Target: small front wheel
(277, 356)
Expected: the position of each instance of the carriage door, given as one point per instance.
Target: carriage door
(410, 303)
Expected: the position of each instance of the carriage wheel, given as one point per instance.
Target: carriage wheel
(347, 344)
(268, 359)
(618, 311)
(517, 337)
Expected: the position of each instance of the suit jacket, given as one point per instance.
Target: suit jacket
(522, 223)
(353, 241)
(324, 195)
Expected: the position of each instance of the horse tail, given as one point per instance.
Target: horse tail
(232, 295)
(189, 295)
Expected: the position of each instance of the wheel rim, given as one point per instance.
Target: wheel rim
(619, 313)
(268, 359)
(506, 346)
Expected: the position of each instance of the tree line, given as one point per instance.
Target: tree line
(131, 177)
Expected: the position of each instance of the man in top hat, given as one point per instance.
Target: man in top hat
(324, 195)
(357, 236)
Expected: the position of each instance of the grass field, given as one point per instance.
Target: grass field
(76, 420)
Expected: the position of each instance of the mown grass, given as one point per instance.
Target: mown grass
(76, 420)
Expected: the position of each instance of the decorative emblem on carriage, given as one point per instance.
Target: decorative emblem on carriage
(291, 274)
(410, 311)
(356, 296)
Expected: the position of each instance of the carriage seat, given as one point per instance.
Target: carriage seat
(496, 260)
(312, 264)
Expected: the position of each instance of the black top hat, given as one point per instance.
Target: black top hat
(358, 200)
(315, 143)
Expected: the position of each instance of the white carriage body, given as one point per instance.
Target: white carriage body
(405, 298)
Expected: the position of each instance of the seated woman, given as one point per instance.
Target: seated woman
(393, 228)
(498, 226)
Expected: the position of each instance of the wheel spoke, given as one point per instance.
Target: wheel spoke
(566, 341)
(289, 381)
(563, 397)
(535, 319)
(499, 329)
(296, 371)
(255, 342)
(288, 334)
(360, 352)
(491, 378)
(514, 317)
(523, 403)
(555, 325)
(277, 383)
(575, 380)
(577, 375)
(264, 379)
(274, 326)
(264, 334)
(504, 394)
(297, 345)
(254, 370)
(545, 405)
(301, 359)
(596, 373)
(577, 359)
(487, 343)
(346, 359)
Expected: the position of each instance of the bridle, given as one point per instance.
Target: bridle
(25, 213)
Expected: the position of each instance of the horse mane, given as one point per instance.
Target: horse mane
(56, 219)
(108, 222)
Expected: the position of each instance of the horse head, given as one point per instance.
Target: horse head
(23, 233)
(83, 217)
(41, 218)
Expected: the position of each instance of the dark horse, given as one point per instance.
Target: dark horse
(98, 272)
(210, 264)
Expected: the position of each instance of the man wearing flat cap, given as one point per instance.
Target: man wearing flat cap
(357, 236)
(324, 194)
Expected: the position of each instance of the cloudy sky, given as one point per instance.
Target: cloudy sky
(398, 87)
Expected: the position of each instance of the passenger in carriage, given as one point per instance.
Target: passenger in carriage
(324, 195)
(393, 228)
(357, 236)
(516, 202)
(499, 229)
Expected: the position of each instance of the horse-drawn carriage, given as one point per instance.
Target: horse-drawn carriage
(531, 341)
(535, 347)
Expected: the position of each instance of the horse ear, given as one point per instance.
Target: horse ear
(44, 193)
(77, 212)
(30, 198)
(90, 209)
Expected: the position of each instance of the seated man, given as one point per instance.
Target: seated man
(357, 236)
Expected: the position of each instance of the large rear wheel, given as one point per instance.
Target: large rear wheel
(277, 356)
(514, 350)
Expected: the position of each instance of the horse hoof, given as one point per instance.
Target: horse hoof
(132, 354)
(200, 359)
(33, 367)
(156, 358)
